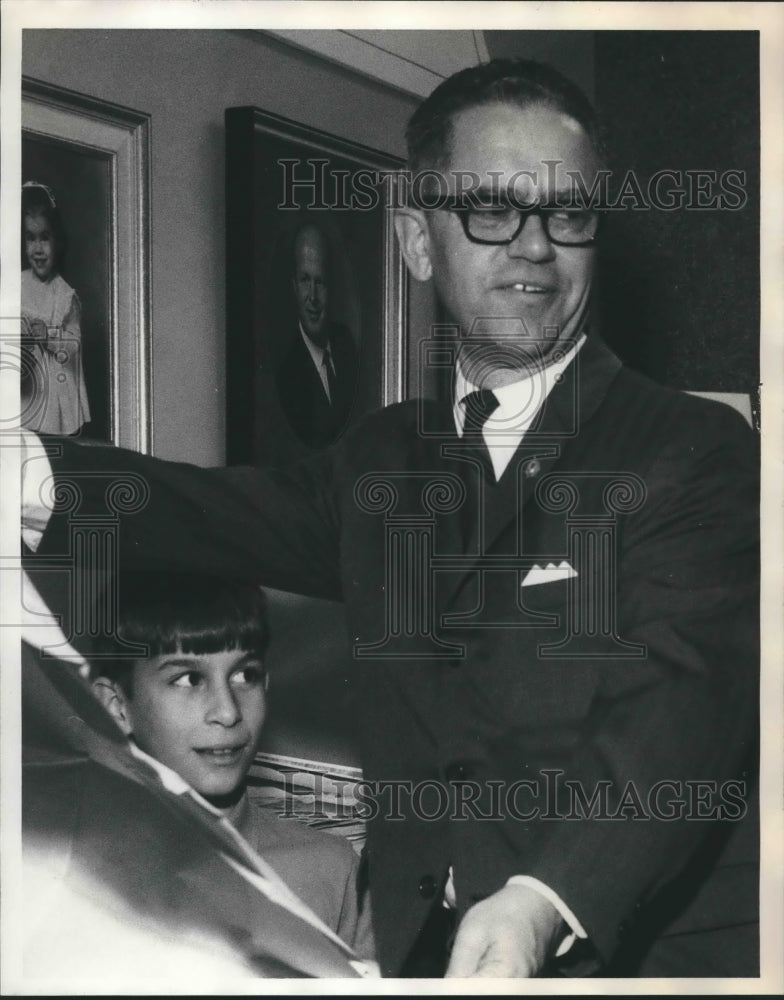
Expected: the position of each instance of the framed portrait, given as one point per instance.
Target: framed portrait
(85, 267)
(316, 292)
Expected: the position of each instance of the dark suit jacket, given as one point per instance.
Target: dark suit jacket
(103, 825)
(462, 675)
(316, 420)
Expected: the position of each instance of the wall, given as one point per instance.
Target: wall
(570, 52)
(683, 301)
(185, 80)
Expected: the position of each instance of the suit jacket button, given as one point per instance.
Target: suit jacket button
(427, 887)
(532, 468)
(459, 771)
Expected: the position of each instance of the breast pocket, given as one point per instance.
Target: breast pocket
(549, 596)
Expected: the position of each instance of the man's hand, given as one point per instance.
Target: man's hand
(510, 934)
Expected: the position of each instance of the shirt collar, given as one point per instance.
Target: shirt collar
(520, 401)
(316, 352)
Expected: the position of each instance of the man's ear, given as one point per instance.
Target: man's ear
(414, 237)
(111, 696)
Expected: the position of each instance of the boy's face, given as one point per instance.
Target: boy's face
(200, 714)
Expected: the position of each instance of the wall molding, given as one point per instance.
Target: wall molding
(414, 62)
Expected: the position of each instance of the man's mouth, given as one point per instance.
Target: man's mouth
(526, 286)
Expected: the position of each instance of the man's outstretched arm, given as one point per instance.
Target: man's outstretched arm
(272, 527)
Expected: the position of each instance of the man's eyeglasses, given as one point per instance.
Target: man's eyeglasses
(502, 223)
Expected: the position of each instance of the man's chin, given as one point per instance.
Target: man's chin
(316, 332)
(479, 357)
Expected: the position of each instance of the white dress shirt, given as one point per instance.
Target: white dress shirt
(518, 404)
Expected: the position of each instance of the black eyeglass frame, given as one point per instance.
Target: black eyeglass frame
(463, 210)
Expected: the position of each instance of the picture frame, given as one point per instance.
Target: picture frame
(95, 158)
(278, 401)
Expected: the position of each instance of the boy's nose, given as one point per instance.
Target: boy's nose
(223, 708)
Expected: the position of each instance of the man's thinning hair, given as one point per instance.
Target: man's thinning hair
(298, 234)
(520, 82)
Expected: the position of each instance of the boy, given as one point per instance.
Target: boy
(196, 702)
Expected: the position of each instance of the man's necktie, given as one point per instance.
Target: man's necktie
(479, 405)
(326, 360)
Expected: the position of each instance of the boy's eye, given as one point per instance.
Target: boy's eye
(249, 675)
(190, 679)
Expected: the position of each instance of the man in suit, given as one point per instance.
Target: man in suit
(549, 580)
(316, 379)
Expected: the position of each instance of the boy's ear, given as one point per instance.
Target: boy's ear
(414, 237)
(111, 696)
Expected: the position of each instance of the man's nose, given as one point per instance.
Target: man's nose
(223, 707)
(532, 241)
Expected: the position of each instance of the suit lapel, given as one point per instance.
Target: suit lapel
(307, 363)
(567, 408)
(497, 508)
(430, 459)
(342, 350)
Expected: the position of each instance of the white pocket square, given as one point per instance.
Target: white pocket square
(548, 574)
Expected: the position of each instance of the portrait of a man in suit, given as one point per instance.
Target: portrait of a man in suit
(316, 379)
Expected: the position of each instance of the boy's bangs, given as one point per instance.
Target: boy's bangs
(191, 614)
(243, 636)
